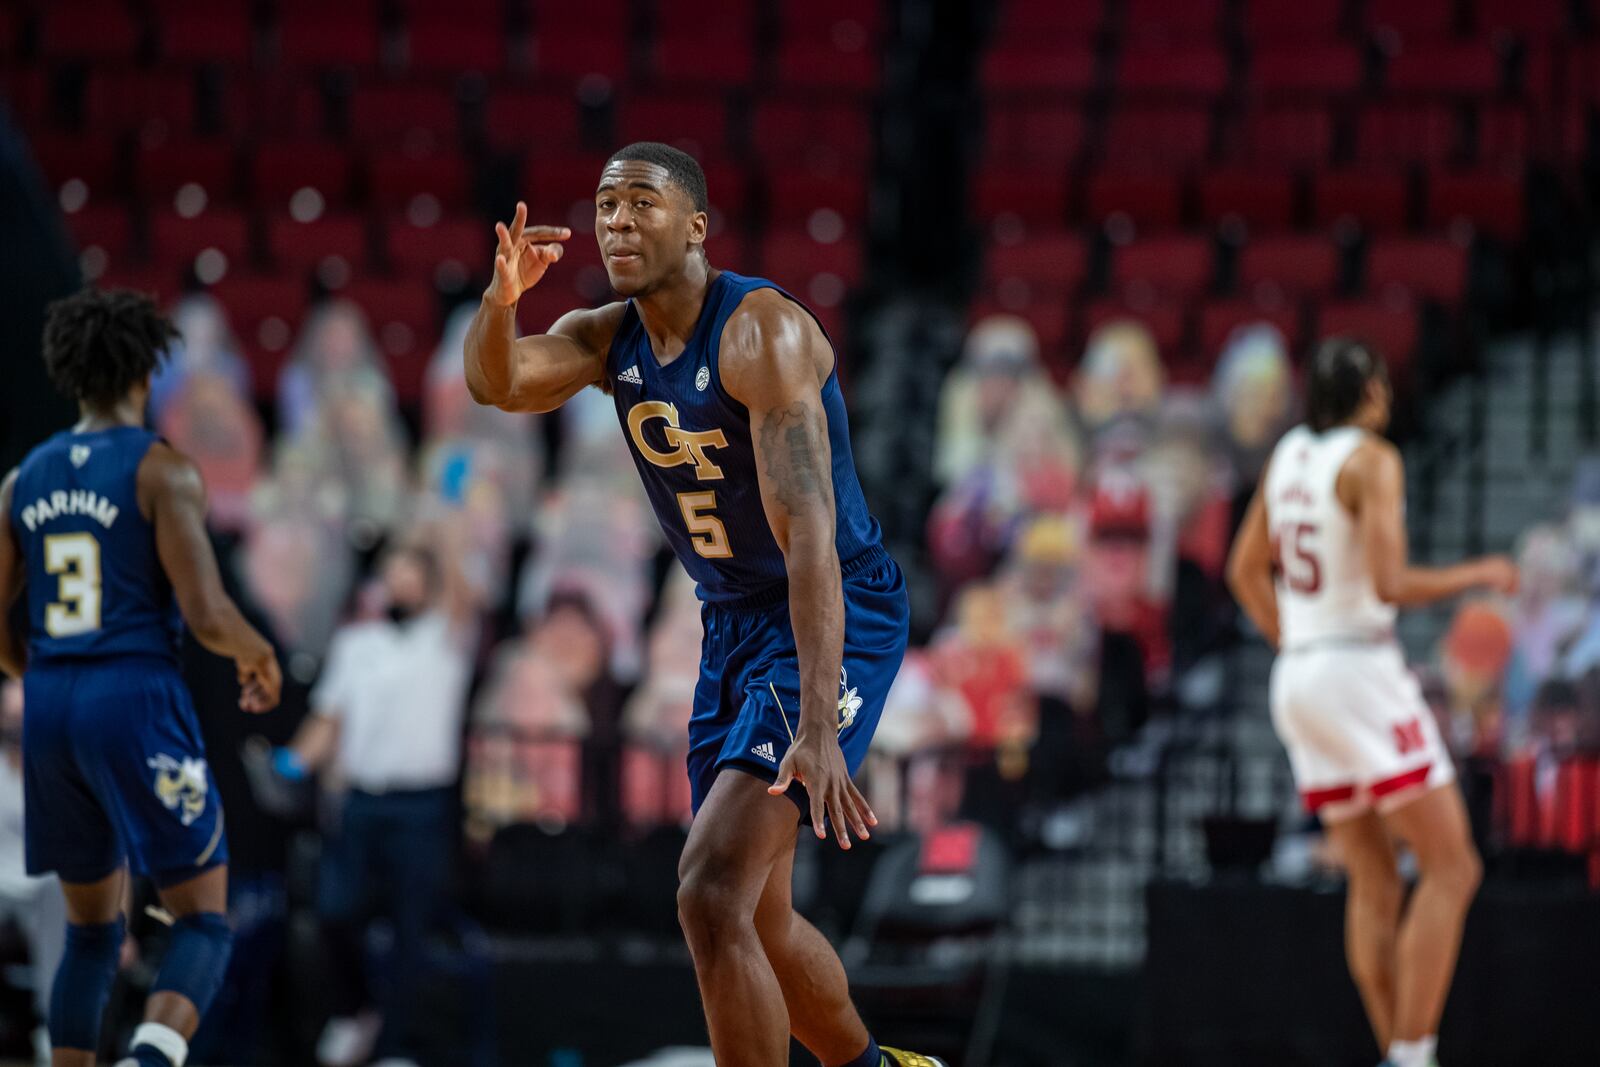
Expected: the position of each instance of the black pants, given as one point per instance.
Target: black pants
(390, 859)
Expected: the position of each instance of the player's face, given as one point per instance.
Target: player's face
(645, 224)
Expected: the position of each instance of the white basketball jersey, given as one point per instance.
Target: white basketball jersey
(1324, 583)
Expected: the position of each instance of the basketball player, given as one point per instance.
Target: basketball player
(104, 528)
(1320, 567)
(727, 391)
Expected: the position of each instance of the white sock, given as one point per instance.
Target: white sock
(164, 1039)
(1418, 1053)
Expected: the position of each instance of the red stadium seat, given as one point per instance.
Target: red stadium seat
(174, 238)
(155, 101)
(1285, 136)
(820, 136)
(161, 168)
(1417, 134)
(517, 119)
(1410, 18)
(1295, 264)
(1465, 68)
(1036, 66)
(570, 19)
(160, 282)
(1050, 265)
(1278, 21)
(809, 269)
(1017, 130)
(698, 124)
(404, 315)
(206, 33)
(1174, 136)
(1253, 197)
(1150, 200)
(91, 160)
(1375, 200)
(397, 177)
(96, 30)
(26, 91)
(835, 19)
(792, 197)
(555, 184)
(1524, 18)
(571, 55)
(465, 243)
(1050, 20)
(1188, 71)
(1504, 135)
(682, 17)
(275, 105)
(297, 245)
(325, 35)
(441, 42)
(813, 64)
(1036, 197)
(106, 227)
(1434, 268)
(1315, 69)
(265, 312)
(1190, 20)
(1219, 318)
(403, 114)
(1391, 328)
(1167, 322)
(280, 168)
(10, 22)
(1490, 202)
(724, 58)
(1175, 266)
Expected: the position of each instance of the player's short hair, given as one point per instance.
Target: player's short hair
(681, 167)
(1341, 367)
(100, 343)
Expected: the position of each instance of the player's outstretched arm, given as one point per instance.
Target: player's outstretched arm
(541, 372)
(1250, 568)
(13, 575)
(774, 360)
(1377, 486)
(172, 493)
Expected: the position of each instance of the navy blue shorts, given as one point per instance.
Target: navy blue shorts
(114, 772)
(747, 702)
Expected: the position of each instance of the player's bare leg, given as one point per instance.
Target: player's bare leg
(1436, 828)
(1372, 915)
(813, 980)
(90, 905)
(737, 839)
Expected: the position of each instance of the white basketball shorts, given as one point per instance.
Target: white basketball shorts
(1358, 732)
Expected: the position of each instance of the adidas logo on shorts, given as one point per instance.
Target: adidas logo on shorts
(631, 376)
(765, 751)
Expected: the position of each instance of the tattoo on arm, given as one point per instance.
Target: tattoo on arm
(800, 478)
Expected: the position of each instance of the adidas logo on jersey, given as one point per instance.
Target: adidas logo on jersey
(631, 376)
(765, 751)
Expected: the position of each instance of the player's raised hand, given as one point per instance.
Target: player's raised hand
(522, 254)
(260, 682)
(819, 766)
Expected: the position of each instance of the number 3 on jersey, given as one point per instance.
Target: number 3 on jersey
(1302, 572)
(710, 537)
(75, 559)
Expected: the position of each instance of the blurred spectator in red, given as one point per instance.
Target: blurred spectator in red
(984, 660)
(1127, 601)
(1120, 377)
(1253, 387)
(208, 419)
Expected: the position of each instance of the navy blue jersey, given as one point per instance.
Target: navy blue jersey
(691, 443)
(96, 589)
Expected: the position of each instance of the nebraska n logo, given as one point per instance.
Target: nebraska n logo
(1408, 737)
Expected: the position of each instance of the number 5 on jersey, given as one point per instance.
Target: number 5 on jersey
(1302, 571)
(710, 537)
(75, 559)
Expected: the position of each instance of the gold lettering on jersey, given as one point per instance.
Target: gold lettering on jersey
(689, 446)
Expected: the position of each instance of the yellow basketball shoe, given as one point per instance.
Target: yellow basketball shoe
(893, 1057)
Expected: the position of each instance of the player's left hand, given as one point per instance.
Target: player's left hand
(816, 762)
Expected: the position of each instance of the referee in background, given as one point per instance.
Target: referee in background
(386, 721)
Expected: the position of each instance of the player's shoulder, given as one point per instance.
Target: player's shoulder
(766, 328)
(165, 472)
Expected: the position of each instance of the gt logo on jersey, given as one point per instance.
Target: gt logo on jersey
(688, 446)
(181, 785)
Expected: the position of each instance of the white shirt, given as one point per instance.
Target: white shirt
(399, 693)
(1325, 588)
